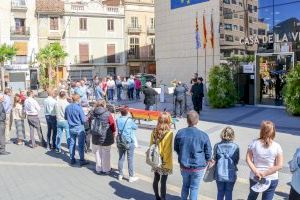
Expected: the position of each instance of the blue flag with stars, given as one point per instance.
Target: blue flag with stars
(182, 3)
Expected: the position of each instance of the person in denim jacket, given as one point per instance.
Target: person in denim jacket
(194, 154)
(226, 155)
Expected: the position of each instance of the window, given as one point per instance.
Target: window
(251, 31)
(152, 23)
(250, 8)
(226, 1)
(110, 25)
(83, 24)
(84, 53)
(229, 38)
(233, 1)
(227, 13)
(134, 22)
(241, 28)
(261, 31)
(236, 38)
(20, 25)
(111, 53)
(255, 8)
(250, 20)
(111, 71)
(134, 47)
(53, 23)
(241, 16)
(241, 4)
(254, 31)
(152, 47)
(235, 27)
(236, 15)
(228, 27)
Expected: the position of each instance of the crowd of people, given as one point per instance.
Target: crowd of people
(67, 112)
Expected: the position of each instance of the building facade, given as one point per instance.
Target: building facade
(19, 29)
(140, 36)
(94, 38)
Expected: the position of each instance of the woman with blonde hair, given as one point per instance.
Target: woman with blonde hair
(162, 135)
(19, 117)
(265, 159)
(226, 155)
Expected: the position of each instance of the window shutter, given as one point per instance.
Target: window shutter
(111, 51)
(84, 53)
(21, 48)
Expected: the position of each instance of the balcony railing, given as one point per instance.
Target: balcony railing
(20, 31)
(135, 29)
(88, 61)
(21, 60)
(151, 30)
(18, 5)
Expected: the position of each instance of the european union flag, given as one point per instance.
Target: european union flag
(182, 3)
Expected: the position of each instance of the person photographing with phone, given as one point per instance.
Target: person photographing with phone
(265, 159)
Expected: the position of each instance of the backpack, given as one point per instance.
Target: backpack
(99, 125)
(153, 157)
(122, 143)
(294, 164)
(226, 168)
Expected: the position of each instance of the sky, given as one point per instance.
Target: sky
(282, 12)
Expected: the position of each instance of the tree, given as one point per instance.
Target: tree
(6, 53)
(221, 91)
(292, 91)
(49, 58)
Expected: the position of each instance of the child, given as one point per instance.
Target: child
(19, 116)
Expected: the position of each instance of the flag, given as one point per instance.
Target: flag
(212, 39)
(198, 43)
(204, 32)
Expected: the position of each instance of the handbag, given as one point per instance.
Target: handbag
(122, 143)
(209, 175)
(153, 157)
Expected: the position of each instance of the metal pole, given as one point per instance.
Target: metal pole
(197, 49)
(205, 65)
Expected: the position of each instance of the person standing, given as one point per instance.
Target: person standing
(130, 86)
(194, 154)
(163, 136)
(103, 129)
(62, 124)
(150, 96)
(195, 92)
(111, 89)
(7, 103)
(226, 156)
(138, 87)
(179, 98)
(99, 94)
(19, 116)
(2, 127)
(104, 86)
(119, 88)
(32, 109)
(295, 169)
(50, 115)
(201, 92)
(265, 159)
(126, 127)
(124, 93)
(76, 118)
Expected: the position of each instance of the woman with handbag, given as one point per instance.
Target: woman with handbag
(162, 136)
(226, 156)
(126, 143)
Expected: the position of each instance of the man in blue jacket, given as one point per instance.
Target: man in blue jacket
(194, 153)
(75, 116)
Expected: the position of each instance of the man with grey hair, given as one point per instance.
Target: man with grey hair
(2, 126)
(150, 96)
(194, 154)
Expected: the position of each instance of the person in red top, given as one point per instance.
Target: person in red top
(104, 85)
(22, 96)
(137, 86)
(103, 130)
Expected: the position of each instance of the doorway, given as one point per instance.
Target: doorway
(271, 71)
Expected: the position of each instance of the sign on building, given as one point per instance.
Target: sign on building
(182, 3)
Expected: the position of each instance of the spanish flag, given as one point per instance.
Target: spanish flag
(212, 39)
(204, 32)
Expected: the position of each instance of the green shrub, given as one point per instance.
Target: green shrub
(221, 90)
(292, 91)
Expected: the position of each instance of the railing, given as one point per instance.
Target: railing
(134, 29)
(18, 4)
(151, 30)
(22, 30)
(78, 61)
(112, 10)
(20, 60)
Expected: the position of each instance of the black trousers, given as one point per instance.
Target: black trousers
(294, 195)
(163, 187)
(197, 102)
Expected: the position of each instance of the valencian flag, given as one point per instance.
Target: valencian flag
(204, 32)
(198, 43)
(212, 39)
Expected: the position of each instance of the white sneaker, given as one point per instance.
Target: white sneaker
(120, 177)
(133, 179)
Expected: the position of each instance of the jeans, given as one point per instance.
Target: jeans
(266, 195)
(225, 190)
(52, 128)
(74, 135)
(20, 129)
(191, 184)
(61, 126)
(137, 94)
(130, 93)
(110, 94)
(2, 137)
(130, 153)
(180, 103)
(119, 90)
(163, 187)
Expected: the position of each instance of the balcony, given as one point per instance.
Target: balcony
(135, 29)
(21, 60)
(151, 30)
(86, 60)
(18, 5)
(20, 32)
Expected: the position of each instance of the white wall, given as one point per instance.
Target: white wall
(176, 54)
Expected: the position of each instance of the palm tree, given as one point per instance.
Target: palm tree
(49, 58)
(6, 53)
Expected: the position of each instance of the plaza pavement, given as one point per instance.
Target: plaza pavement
(37, 174)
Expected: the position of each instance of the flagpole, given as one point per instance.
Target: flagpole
(204, 45)
(197, 49)
(212, 35)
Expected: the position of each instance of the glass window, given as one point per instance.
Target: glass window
(110, 25)
(83, 24)
(134, 22)
(53, 23)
